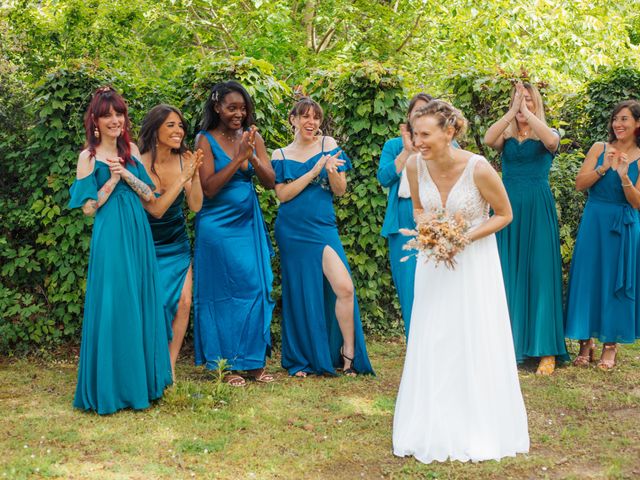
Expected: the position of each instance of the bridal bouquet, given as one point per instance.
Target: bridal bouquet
(439, 236)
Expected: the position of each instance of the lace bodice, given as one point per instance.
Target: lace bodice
(464, 195)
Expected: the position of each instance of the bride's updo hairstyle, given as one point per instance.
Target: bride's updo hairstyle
(446, 115)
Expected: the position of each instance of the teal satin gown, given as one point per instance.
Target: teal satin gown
(232, 275)
(604, 289)
(124, 355)
(173, 252)
(530, 252)
(305, 225)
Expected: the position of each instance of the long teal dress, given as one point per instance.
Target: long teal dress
(124, 355)
(399, 214)
(173, 252)
(530, 252)
(604, 284)
(232, 274)
(305, 225)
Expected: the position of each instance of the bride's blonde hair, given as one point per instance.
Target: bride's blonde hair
(446, 115)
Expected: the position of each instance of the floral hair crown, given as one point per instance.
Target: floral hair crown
(105, 89)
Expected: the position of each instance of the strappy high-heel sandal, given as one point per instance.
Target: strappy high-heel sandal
(585, 360)
(351, 371)
(609, 363)
(546, 366)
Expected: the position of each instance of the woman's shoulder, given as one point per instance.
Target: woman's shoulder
(599, 147)
(135, 151)
(86, 162)
(278, 153)
(329, 143)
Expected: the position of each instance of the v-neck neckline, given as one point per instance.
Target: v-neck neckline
(443, 204)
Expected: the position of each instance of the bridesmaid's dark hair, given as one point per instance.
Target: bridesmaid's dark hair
(305, 104)
(211, 119)
(634, 108)
(148, 139)
(425, 97)
(101, 102)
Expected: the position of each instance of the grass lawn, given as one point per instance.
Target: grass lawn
(583, 423)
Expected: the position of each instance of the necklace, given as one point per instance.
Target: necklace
(231, 138)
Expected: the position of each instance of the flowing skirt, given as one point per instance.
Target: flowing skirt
(124, 357)
(460, 397)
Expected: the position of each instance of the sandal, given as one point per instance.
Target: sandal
(262, 376)
(609, 363)
(348, 372)
(234, 380)
(546, 366)
(585, 360)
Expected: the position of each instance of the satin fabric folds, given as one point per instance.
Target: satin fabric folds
(232, 275)
(173, 252)
(305, 226)
(124, 357)
(604, 288)
(530, 252)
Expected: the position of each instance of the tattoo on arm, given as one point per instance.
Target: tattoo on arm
(138, 186)
(92, 206)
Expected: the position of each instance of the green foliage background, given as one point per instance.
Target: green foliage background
(361, 60)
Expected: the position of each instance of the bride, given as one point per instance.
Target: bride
(459, 396)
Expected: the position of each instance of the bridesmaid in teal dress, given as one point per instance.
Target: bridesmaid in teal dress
(321, 328)
(530, 246)
(232, 255)
(399, 213)
(124, 359)
(604, 284)
(174, 170)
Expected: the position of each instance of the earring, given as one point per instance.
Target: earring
(96, 132)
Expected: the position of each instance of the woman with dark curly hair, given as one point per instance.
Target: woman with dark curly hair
(174, 170)
(604, 287)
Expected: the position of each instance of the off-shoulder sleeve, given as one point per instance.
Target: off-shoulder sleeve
(343, 156)
(83, 189)
(143, 176)
(278, 168)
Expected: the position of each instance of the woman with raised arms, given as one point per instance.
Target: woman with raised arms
(604, 283)
(124, 358)
(171, 166)
(232, 255)
(321, 328)
(530, 246)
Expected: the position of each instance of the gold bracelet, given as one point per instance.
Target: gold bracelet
(630, 184)
(598, 171)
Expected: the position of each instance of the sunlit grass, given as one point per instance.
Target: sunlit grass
(583, 423)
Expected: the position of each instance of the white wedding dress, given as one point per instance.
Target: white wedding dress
(459, 396)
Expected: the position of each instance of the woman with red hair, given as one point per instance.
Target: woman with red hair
(124, 355)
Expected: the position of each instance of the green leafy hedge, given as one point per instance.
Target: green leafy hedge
(44, 245)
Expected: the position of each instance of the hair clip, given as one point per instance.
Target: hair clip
(105, 89)
(215, 96)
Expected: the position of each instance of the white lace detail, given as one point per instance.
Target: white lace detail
(464, 195)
